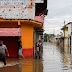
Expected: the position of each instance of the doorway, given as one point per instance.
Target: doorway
(11, 44)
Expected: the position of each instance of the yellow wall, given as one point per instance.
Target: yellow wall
(66, 29)
(66, 32)
(27, 36)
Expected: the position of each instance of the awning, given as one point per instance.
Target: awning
(40, 32)
(10, 32)
(17, 22)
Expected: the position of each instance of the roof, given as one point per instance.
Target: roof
(10, 32)
(66, 25)
(69, 23)
(36, 24)
(22, 20)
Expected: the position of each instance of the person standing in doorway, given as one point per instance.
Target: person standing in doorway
(2, 52)
(20, 49)
(19, 43)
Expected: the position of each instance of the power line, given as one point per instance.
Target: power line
(51, 22)
(60, 11)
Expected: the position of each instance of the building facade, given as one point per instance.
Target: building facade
(22, 19)
(65, 38)
(69, 25)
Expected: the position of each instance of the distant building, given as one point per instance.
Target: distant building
(69, 25)
(65, 36)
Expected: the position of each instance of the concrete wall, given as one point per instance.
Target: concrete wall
(66, 45)
(18, 9)
(69, 30)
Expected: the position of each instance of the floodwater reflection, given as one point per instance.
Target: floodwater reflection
(25, 65)
(53, 60)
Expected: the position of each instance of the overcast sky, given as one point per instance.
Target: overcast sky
(58, 12)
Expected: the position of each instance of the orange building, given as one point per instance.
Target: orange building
(11, 30)
(27, 29)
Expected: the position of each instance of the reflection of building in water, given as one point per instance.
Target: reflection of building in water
(31, 65)
(27, 65)
(65, 58)
(65, 62)
(37, 66)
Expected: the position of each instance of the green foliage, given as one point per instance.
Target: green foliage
(48, 36)
(45, 37)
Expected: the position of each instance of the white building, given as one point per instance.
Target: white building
(69, 25)
(18, 9)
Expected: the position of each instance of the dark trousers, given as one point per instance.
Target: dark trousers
(37, 54)
(2, 58)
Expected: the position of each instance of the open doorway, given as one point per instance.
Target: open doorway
(11, 44)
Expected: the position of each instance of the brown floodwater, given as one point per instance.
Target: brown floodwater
(53, 60)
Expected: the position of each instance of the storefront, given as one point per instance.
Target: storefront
(10, 38)
(11, 30)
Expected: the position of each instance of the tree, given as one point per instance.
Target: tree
(45, 37)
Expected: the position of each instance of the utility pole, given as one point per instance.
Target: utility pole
(54, 31)
(64, 29)
(64, 35)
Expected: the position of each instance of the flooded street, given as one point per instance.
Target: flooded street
(53, 60)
